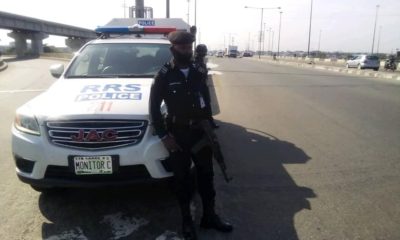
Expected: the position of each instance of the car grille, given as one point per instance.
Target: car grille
(96, 134)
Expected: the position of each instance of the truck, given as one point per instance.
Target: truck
(232, 51)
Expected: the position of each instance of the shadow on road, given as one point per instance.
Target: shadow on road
(263, 198)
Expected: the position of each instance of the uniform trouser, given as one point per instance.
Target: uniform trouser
(180, 163)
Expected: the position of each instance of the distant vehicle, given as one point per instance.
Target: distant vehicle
(232, 51)
(390, 63)
(247, 54)
(220, 54)
(364, 61)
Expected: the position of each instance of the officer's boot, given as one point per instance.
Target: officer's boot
(212, 220)
(188, 228)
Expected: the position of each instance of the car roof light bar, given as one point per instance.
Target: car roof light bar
(135, 29)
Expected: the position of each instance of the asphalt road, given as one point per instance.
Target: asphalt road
(313, 154)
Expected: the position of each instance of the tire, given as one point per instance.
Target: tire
(376, 69)
(359, 67)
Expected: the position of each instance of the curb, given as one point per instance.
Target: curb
(392, 76)
(3, 65)
(56, 58)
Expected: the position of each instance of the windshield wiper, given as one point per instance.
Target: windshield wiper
(135, 75)
(90, 76)
(113, 76)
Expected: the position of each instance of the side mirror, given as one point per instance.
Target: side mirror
(56, 70)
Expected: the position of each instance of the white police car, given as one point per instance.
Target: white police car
(92, 126)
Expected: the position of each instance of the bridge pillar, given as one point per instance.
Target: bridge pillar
(21, 47)
(75, 43)
(37, 42)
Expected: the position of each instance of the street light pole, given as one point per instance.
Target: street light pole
(373, 37)
(319, 41)
(263, 48)
(195, 12)
(195, 22)
(259, 46)
(269, 39)
(309, 30)
(188, 11)
(124, 7)
(379, 39)
(248, 42)
(272, 44)
(167, 8)
(224, 43)
(261, 25)
(279, 36)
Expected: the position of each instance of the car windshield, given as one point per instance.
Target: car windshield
(119, 60)
(372, 58)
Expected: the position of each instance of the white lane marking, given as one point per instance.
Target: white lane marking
(215, 73)
(123, 226)
(26, 90)
(76, 234)
(168, 235)
(212, 65)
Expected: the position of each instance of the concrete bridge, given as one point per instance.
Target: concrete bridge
(36, 30)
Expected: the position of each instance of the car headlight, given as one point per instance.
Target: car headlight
(27, 124)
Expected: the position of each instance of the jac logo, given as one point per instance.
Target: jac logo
(94, 136)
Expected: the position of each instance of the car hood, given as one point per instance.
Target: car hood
(78, 98)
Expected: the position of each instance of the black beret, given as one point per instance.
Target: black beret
(181, 37)
(201, 48)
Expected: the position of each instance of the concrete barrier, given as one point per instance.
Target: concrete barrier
(65, 56)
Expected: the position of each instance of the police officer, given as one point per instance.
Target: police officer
(199, 59)
(180, 85)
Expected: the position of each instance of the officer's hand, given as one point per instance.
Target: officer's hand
(170, 143)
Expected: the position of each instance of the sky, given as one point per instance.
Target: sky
(344, 25)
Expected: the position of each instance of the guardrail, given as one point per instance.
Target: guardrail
(338, 68)
(321, 61)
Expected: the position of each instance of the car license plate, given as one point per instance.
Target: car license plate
(87, 165)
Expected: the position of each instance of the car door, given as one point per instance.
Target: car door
(357, 61)
(351, 61)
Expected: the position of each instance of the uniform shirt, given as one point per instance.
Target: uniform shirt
(184, 96)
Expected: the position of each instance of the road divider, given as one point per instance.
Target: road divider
(366, 73)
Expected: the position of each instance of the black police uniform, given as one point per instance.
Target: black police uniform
(184, 98)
